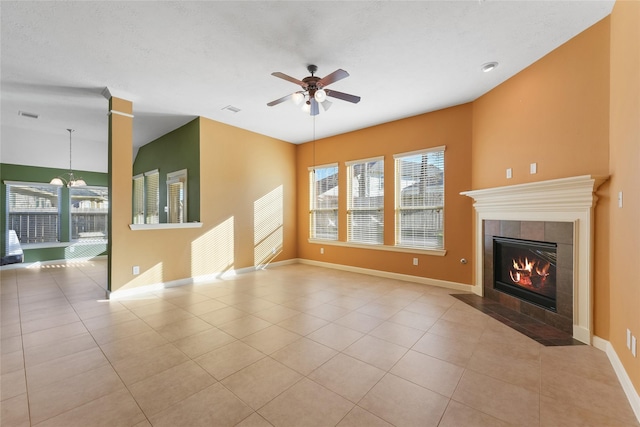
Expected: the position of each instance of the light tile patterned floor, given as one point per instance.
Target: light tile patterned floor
(289, 346)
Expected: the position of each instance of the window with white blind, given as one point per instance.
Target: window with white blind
(177, 196)
(89, 212)
(420, 199)
(138, 199)
(33, 212)
(146, 198)
(323, 214)
(365, 201)
(152, 197)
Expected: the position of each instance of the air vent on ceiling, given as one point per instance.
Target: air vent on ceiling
(30, 115)
(232, 109)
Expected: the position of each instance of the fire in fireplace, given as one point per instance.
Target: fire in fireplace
(526, 269)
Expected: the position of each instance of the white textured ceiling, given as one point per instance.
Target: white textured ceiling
(177, 60)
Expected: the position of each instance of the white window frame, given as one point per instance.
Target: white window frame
(45, 236)
(426, 228)
(149, 195)
(356, 213)
(322, 229)
(138, 202)
(96, 209)
(177, 178)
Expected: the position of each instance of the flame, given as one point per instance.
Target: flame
(529, 272)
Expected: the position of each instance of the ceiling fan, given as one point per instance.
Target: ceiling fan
(314, 90)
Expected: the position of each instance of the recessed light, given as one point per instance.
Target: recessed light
(488, 66)
(30, 115)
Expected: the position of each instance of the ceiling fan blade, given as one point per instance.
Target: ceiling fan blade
(338, 74)
(290, 79)
(314, 107)
(280, 101)
(343, 96)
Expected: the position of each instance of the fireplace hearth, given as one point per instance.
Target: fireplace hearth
(526, 269)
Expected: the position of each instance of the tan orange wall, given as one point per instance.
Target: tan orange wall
(237, 169)
(554, 113)
(450, 127)
(120, 189)
(240, 171)
(624, 162)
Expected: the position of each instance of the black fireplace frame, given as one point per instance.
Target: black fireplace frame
(532, 297)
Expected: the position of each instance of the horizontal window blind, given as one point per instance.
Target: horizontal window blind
(177, 196)
(138, 199)
(33, 212)
(420, 199)
(152, 197)
(323, 216)
(365, 201)
(89, 212)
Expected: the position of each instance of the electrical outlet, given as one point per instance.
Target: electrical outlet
(415, 261)
(533, 168)
(633, 345)
(509, 173)
(628, 339)
(136, 270)
(321, 251)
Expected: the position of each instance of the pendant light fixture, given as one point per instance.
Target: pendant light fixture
(71, 180)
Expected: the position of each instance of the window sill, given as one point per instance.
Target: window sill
(434, 252)
(45, 245)
(165, 226)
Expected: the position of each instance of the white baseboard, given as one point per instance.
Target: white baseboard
(621, 373)
(127, 293)
(389, 275)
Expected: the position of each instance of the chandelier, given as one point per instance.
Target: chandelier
(69, 178)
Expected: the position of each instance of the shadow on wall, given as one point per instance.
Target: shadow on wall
(268, 225)
(213, 253)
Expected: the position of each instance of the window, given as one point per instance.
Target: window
(323, 216)
(420, 199)
(365, 201)
(89, 212)
(34, 212)
(152, 197)
(146, 198)
(177, 196)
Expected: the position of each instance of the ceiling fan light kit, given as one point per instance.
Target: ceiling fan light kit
(314, 92)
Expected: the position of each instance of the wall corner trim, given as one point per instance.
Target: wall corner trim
(120, 113)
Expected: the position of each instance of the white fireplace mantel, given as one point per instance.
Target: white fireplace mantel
(562, 200)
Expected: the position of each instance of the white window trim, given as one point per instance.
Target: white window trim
(329, 165)
(368, 160)
(312, 171)
(423, 151)
(351, 209)
(57, 243)
(172, 178)
(397, 184)
(387, 248)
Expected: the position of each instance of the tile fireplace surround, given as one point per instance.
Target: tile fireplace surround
(570, 200)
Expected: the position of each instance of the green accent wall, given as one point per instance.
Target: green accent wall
(22, 173)
(177, 150)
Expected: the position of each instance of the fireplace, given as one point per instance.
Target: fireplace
(568, 201)
(526, 269)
